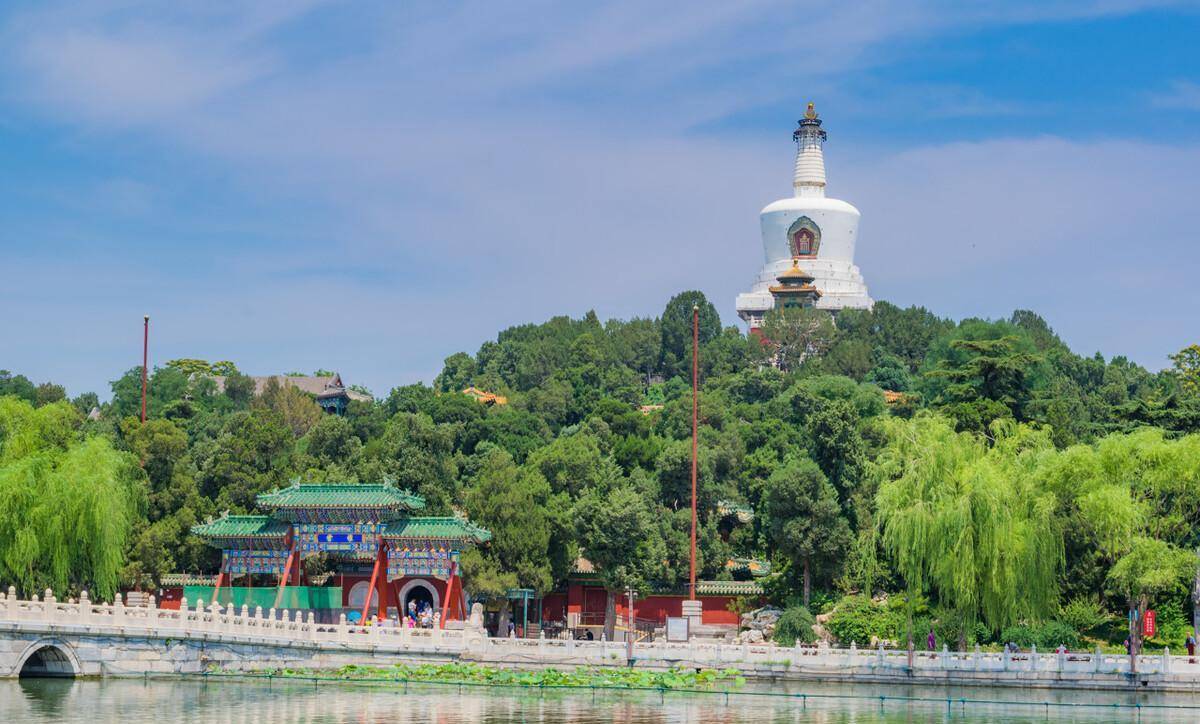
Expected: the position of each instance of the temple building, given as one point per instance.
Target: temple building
(330, 392)
(795, 288)
(808, 230)
(377, 554)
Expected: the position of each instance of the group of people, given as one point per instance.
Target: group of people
(419, 616)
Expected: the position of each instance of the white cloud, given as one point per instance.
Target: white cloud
(1183, 95)
(483, 165)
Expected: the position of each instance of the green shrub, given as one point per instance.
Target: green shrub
(1083, 613)
(796, 624)
(857, 619)
(1047, 636)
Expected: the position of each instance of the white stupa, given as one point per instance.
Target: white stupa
(811, 230)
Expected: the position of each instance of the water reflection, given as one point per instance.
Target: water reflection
(167, 701)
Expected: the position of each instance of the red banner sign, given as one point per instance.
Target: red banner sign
(1149, 622)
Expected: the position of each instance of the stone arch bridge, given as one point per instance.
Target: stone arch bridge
(48, 637)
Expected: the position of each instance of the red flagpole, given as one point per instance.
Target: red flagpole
(145, 359)
(695, 446)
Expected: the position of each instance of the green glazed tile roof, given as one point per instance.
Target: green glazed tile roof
(242, 526)
(728, 588)
(341, 495)
(437, 529)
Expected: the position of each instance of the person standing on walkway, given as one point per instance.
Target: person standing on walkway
(1190, 643)
(931, 640)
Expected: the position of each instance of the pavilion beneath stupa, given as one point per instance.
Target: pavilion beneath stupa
(379, 554)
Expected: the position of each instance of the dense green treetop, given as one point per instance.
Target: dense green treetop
(981, 468)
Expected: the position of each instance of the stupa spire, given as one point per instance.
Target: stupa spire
(809, 178)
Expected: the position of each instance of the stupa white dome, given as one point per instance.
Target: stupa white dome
(818, 232)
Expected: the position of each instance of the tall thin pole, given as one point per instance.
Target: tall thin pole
(145, 359)
(695, 445)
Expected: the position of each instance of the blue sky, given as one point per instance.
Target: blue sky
(370, 187)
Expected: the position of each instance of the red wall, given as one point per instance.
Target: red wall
(590, 600)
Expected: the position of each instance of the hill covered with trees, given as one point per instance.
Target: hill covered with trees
(1003, 487)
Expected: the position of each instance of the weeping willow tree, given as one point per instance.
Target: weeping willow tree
(964, 520)
(66, 507)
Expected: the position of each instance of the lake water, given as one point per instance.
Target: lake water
(189, 700)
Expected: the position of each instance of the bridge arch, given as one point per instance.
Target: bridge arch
(48, 658)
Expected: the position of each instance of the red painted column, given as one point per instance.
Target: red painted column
(380, 555)
(449, 590)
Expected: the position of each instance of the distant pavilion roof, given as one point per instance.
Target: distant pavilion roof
(242, 526)
(341, 495)
(428, 528)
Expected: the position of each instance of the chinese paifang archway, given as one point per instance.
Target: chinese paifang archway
(353, 526)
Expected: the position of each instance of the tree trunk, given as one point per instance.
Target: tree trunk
(610, 615)
(502, 620)
(1196, 604)
(807, 582)
(910, 631)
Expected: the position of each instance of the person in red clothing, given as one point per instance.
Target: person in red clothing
(1190, 643)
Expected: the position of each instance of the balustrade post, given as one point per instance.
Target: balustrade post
(1062, 658)
(946, 656)
(1166, 660)
(879, 655)
(570, 644)
(49, 606)
(118, 610)
(1033, 658)
(852, 656)
(975, 658)
(1097, 659)
(153, 613)
(85, 607)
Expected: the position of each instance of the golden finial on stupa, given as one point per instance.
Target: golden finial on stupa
(811, 112)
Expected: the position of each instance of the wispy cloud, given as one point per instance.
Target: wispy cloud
(376, 186)
(1184, 95)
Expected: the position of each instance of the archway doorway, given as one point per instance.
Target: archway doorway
(48, 661)
(420, 593)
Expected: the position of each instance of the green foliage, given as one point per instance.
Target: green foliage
(804, 522)
(965, 521)
(1083, 614)
(859, 619)
(1150, 569)
(796, 334)
(67, 507)
(676, 329)
(795, 624)
(1046, 636)
(982, 520)
(583, 677)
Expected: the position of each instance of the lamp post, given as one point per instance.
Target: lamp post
(695, 444)
(145, 359)
(630, 630)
